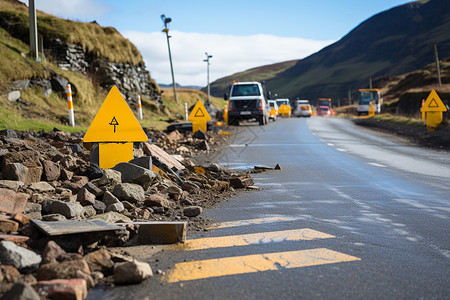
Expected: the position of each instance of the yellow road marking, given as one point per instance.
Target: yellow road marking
(254, 238)
(250, 222)
(255, 263)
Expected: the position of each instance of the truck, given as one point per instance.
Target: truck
(247, 101)
(284, 107)
(323, 107)
(367, 96)
(302, 108)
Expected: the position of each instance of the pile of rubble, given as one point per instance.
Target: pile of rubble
(59, 212)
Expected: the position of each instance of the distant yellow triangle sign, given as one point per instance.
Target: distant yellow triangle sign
(115, 122)
(433, 103)
(199, 113)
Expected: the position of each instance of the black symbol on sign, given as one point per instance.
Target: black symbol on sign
(433, 103)
(114, 123)
(199, 113)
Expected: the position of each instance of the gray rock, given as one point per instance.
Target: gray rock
(112, 217)
(143, 161)
(93, 189)
(15, 171)
(110, 177)
(12, 96)
(11, 184)
(54, 218)
(192, 211)
(132, 173)
(109, 198)
(132, 272)
(115, 207)
(9, 133)
(51, 171)
(84, 197)
(19, 257)
(20, 84)
(89, 211)
(129, 192)
(99, 206)
(67, 209)
(41, 187)
(21, 291)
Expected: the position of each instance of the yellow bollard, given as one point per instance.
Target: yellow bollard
(225, 114)
(371, 112)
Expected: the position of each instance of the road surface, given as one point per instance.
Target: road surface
(353, 214)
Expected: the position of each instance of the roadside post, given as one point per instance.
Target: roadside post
(371, 111)
(185, 112)
(70, 105)
(114, 128)
(225, 115)
(421, 109)
(140, 107)
(199, 117)
(433, 109)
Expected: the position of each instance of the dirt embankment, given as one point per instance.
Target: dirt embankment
(439, 139)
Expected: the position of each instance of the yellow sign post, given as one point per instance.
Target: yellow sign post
(433, 108)
(114, 128)
(225, 114)
(199, 116)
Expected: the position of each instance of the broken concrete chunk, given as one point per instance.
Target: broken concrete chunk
(156, 200)
(115, 207)
(129, 192)
(19, 257)
(132, 272)
(93, 189)
(63, 269)
(161, 232)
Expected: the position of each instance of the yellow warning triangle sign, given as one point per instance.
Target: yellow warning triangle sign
(115, 122)
(199, 113)
(433, 103)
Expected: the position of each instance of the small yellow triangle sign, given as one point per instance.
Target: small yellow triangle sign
(433, 103)
(199, 113)
(115, 122)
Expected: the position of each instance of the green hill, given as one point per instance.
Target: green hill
(390, 43)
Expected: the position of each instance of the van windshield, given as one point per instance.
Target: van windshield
(246, 90)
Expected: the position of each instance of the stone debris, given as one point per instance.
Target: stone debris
(48, 178)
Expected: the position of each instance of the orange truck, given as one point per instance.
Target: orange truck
(323, 107)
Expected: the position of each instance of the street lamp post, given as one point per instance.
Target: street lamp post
(166, 30)
(208, 101)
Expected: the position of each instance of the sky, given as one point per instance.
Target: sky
(239, 34)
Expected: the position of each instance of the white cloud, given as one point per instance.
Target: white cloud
(231, 54)
(85, 10)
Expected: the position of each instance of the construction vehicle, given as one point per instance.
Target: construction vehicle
(365, 98)
(284, 107)
(323, 107)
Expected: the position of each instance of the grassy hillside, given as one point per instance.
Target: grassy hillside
(391, 43)
(35, 111)
(219, 87)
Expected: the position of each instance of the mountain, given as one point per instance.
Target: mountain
(390, 43)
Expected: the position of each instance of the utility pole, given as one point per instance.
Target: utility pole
(370, 82)
(166, 30)
(33, 31)
(349, 97)
(437, 64)
(208, 101)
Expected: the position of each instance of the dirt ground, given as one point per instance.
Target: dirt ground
(439, 139)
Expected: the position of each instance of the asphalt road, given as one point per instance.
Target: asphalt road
(353, 214)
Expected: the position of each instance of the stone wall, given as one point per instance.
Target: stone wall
(130, 80)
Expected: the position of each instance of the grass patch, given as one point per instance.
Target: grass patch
(400, 120)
